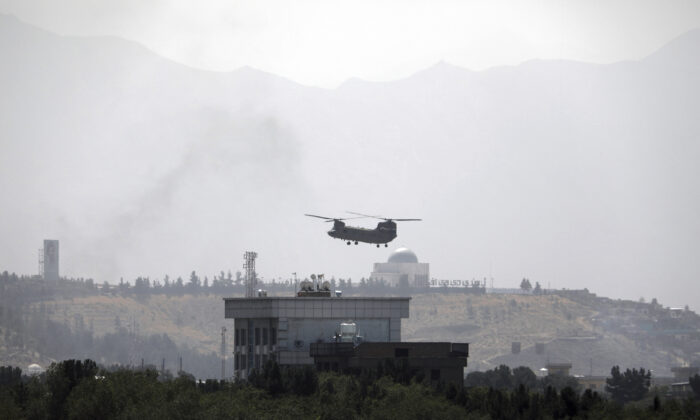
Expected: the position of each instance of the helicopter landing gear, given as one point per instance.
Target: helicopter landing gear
(349, 242)
(386, 245)
(355, 242)
(377, 245)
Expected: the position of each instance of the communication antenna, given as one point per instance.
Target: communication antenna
(223, 353)
(249, 267)
(41, 263)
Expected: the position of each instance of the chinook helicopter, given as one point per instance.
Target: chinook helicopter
(384, 233)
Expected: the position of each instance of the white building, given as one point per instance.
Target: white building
(402, 268)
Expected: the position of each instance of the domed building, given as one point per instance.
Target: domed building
(35, 369)
(402, 269)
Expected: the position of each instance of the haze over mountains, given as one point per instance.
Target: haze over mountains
(570, 174)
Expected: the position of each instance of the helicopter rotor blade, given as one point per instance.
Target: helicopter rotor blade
(331, 219)
(367, 215)
(386, 218)
(320, 217)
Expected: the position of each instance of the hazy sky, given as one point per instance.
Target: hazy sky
(571, 174)
(325, 42)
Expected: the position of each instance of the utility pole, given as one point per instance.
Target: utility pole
(223, 353)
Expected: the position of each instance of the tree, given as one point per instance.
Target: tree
(62, 377)
(526, 285)
(695, 385)
(632, 385)
(194, 280)
(538, 288)
(523, 375)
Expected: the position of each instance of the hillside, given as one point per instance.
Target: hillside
(593, 333)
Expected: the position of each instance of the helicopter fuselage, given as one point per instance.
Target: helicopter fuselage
(384, 233)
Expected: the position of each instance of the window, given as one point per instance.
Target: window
(257, 361)
(273, 336)
(236, 360)
(264, 332)
(264, 359)
(242, 336)
(400, 352)
(244, 362)
(236, 339)
(257, 336)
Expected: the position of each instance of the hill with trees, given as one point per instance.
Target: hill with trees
(140, 320)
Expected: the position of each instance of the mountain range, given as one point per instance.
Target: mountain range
(571, 174)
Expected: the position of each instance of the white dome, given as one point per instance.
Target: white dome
(403, 255)
(34, 369)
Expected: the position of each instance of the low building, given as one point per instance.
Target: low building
(594, 383)
(402, 269)
(562, 368)
(282, 328)
(438, 362)
(682, 373)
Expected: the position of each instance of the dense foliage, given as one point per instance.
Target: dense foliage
(505, 378)
(631, 385)
(80, 390)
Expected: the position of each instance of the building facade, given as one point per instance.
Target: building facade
(282, 328)
(435, 362)
(402, 269)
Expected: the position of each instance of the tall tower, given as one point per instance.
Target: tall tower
(249, 267)
(49, 262)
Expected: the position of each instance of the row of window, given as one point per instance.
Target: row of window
(261, 336)
(240, 361)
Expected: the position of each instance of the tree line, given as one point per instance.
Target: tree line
(75, 389)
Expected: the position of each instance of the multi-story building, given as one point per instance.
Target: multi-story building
(281, 328)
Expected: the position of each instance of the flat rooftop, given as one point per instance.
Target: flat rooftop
(316, 307)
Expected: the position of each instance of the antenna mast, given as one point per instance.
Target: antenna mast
(223, 353)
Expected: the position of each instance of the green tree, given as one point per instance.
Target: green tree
(62, 377)
(632, 385)
(526, 285)
(538, 289)
(695, 385)
(523, 375)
